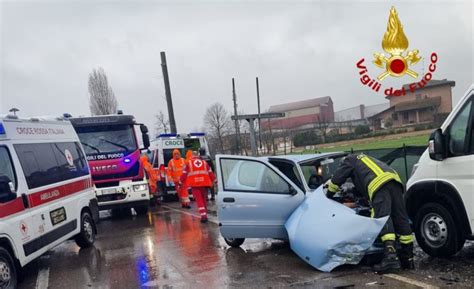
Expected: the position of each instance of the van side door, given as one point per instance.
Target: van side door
(458, 166)
(16, 222)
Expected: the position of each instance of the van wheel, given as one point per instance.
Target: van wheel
(234, 242)
(86, 237)
(142, 210)
(8, 274)
(436, 231)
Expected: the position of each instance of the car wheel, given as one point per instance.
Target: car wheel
(142, 210)
(8, 274)
(234, 242)
(436, 231)
(86, 237)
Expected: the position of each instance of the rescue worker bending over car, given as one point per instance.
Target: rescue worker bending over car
(198, 175)
(382, 186)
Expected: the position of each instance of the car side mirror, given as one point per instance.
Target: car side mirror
(436, 145)
(7, 190)
(292, 190)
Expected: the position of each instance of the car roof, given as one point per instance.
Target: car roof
(306, 157)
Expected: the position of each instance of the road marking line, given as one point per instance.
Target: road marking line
(42, 282)
(410, 281)
(210, 218)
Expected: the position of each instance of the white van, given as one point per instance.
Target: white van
(46, 193)
(440, 192)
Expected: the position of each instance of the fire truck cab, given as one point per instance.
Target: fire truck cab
(112, 149)
(46, 192)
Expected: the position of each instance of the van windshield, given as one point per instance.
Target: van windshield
(107, 139)
(192, 144)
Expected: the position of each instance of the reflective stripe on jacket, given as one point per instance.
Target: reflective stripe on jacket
(175, 169)
(197, 173)
(368, 174)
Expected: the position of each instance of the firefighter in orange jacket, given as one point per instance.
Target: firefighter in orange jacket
(150, 173)
(175, 170)
(199, 176)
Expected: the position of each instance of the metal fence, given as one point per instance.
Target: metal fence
(400, 159)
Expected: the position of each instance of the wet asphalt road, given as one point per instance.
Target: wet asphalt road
(170, 248)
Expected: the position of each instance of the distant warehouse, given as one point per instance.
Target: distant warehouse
(301, 114)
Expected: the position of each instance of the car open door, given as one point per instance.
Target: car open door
(255, 199)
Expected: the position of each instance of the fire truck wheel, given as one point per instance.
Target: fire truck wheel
(8, 274)
(142, 210)
(86, 237)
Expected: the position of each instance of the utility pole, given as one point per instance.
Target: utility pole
(250, 118)
(169, 101)
(258, 104)
(236, 121)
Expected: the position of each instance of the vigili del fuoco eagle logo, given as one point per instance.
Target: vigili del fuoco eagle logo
(397, 61)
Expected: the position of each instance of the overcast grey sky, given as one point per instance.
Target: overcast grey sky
(298, 49)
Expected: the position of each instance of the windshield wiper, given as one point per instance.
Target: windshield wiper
(91, 146)
(115, 144)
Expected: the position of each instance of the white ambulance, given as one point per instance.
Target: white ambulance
(46, 193)
(163, 146)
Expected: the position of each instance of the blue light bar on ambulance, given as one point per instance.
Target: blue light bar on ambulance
(2, 129)
(167, 135)
(197, 134)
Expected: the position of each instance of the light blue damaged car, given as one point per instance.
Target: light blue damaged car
(282, 197)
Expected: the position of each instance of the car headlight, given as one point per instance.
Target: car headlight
(139, 187)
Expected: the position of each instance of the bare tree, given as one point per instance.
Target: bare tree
(217, 122)
(102, 98)
(162, 124)
(322, 125)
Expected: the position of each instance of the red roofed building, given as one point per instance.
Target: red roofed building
(303, 113)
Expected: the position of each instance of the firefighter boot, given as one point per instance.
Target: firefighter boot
(406, 256)
(390, 260)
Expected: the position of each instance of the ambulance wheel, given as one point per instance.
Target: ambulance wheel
(86, 237)
(234, 242)
(142, 210)
(8, 274)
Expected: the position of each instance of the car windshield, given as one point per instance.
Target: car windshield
(318, 171)
(107, 139)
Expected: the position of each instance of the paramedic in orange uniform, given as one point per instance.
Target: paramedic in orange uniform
(199, 176)
(150, 173)
(175, 170)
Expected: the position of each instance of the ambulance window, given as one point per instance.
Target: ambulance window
(39, 164)
(6, 166)
(71, 161)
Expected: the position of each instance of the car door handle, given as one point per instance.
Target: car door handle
(229, 200)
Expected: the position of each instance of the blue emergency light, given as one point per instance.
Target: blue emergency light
(127, 160)
(197, 134)
(2, 128)
(167, 135)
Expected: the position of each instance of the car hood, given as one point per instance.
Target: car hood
(327, 234)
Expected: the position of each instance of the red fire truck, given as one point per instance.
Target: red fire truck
(113, 152)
